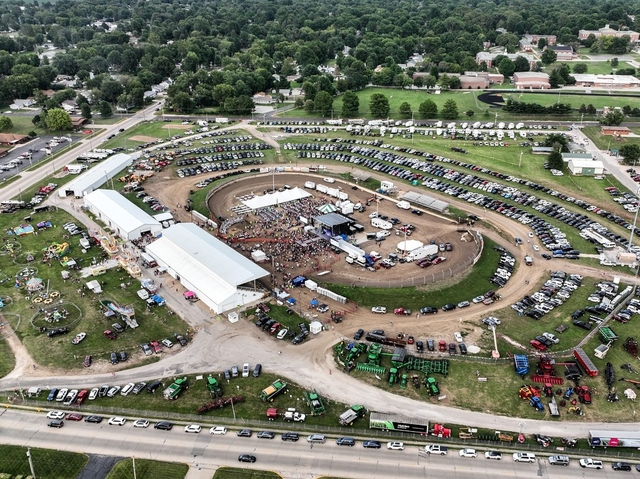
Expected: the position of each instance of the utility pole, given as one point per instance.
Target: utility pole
(520, 162)
(133, 460)
(30, 462)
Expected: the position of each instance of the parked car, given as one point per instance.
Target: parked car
(266, 435)
(218, 430)
(290, 436)
(117, 421)
(467, 452)
(379, 310)
(524, 457)
(395, 445)
(589, 463)
(141, 423)
(358, 334)
(245, 433)
(621, 466)
(493, 455)
(449, 307)
(246, 458)
(371, 444)
(56, 423)
(163, 425)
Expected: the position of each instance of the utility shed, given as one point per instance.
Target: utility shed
(221, 277)
(585, 167)
(123, 217)
(95, 177)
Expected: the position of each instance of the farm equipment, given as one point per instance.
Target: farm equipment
(269, 393)
(569, 442)
(527, 391)
(544, 441)
(432, 386)
(214, 387)
(219, 403)
(337, 316)
(505, 437)
(585, 361)
(631, 346)
(627, 367)
(584, 395)
(415, 380)
(289, 415)
(315, 403)
(536, 403)
(350, 415)
(440, 431)
(546, 372)
(607, 334)
(610, 375)
(635, 383)
(468, 433)
(393, 376)
(577, 410)
(403, 381)
(173, 391)
(521, 364)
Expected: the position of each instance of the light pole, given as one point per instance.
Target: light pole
(635, 219)
(520, 162)
(29, 458)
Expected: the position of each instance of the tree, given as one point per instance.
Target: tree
(548, 56)
(323, 103)
(630, 152)
(299, 103)
(521, 64)
(555, 78)
(591, 110)
(506, 67)
(449, 110)
(105, 109)
(583, 109)
(350, 104)
(428, 109)
(614, 62)
(405, 110)
(379, 105)
(5, 123)
(469, 113)
(85, 110)
(309, 106)
(555, 160)
(613, 118)
(580, 68)
(58, 119)
(542, 42)
(182, 102)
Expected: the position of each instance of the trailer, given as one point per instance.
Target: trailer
(521, 364)
(350, 415)
(395, 422)
(610, 438)
(376, 338)
(584, 361)
(270, 392)
(173, 391)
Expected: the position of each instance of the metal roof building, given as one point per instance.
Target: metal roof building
(123, 217)
(95, 177)
(221, 277)
(425, 201)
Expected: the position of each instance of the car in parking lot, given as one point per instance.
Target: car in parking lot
(245, 370)
(246, 458)
(463, 348)
(117, 421)
(582, 324)
(371, 444)
(559, 460)
(453, 349)
(146, 349)
(257, 369)
(55, 415)
(346, 441)
(395, 445)
(493, 455)
(87, 361)
(457, 336)
(428, 310)
(155, 345)
(449, 307)
(94, 419)
(167, 343)
(467, 452)
(141, 423)
(163, 425)
(290, 436)
(266, 435)
(110, 334)
(379, 310)
(218, 430)
(74, 417)
(589, 463)
(621, 466)
(113, 357)
(195, 428)
(56, 423)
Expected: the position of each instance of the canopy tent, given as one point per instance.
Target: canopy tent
(276, 198)
(314, 302)
(35, 284)
(258, 256)
(409, 245)
(315, 327)
(326, 209)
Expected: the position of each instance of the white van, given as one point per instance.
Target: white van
(405, 205)
(329, 180)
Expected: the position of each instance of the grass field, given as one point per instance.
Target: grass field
(7, 359)
(576, 99)
(48, 463)
(240, 473)
(85, 313)
(605, 142)
(594, 67)
(22, 125)
(147, 469)
(473, 284)
(154, 129)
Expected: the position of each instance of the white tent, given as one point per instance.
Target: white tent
(409, 245)
(276, 198)
(315, 327)
(258, 256)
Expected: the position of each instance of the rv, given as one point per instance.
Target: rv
(382, 224)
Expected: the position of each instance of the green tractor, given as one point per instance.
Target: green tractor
(214, 387)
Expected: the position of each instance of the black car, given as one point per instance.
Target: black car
(378, 332)
(452, 348)
(419, 346)
(577, 314)
(114, 358)
(546, 256)
(151, 388)
(431, 345)
(245, 433)
(164, 425)
(358, 334)
(180, 339)
(56, 423)
(298, 339)
(227, 374)
(266, 435)
(582, 324)
(449, 307)
(257, 370)
(290, 436)
(122, 356)
(246, 458)
(346, 441)
(463, 348)
(428, 310)
(371, 444)
(621, 466)
(93, 419)
(57, 332)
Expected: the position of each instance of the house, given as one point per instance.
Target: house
(488, 57)
(563, 52)
(22, 104)
(615, 130)
(608, 32)
(262, 98)
(531, 81)
(606, 81)
(586, 167)
(11, 139)
(69, 106)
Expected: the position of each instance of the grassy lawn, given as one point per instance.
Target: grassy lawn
(85, 313)
(473, 284)
(575, 99)
(49, 463)
(7, 359)
(22, 125)
(154, 129)
(594, 67)
(604, 142)
(147, 469)
(240, 473)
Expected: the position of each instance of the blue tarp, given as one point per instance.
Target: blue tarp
(159, 300)
(291, 300)
(298, 280)
(314, 302)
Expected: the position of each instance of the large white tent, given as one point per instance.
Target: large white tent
(95, 177)
(123, 217)
(409, 245)
(276, 198)
(208, 267)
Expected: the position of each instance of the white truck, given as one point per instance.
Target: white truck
(435, 449)
(405, 205)
(292, 415)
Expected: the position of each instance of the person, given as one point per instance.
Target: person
(279, 352)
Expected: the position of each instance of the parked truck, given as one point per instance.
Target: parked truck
(585, 361)
(435, 449)
(395, 422)
(173, 391)
(350, 415)
(269, 393)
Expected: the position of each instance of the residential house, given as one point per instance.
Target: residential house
(609, 32)
(69, 106)
(21, 104)
(262, 98)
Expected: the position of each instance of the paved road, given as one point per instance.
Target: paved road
(205, 453)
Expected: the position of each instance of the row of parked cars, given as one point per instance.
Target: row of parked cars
(552, 294)
(274, 328)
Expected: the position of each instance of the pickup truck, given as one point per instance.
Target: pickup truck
(587, 462)
(435, 449)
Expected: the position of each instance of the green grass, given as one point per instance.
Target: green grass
(473, 284)
(148, 469)
(22, 125)
(604, 142)
(48, 463)
(59, 352)
(240, 473)
(594, 67)
(7, 359)
(575, 99)
(153, 129)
